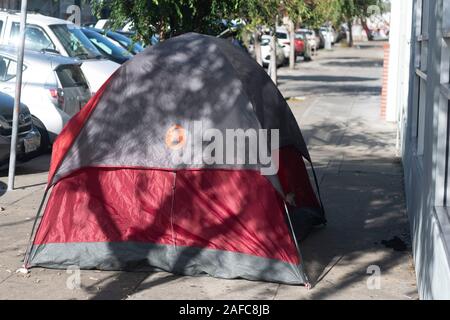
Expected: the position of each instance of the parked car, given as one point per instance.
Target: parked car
(311, 36)
(342, 33)
(54, 88)
(58, 36)
(266, 51)
(29, 139)
(321, 38)
(330, 32)
(121, 40)
(127, 30)
(110, 50)
(284, 40)
(299, 46)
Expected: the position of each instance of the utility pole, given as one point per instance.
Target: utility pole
(15, 123)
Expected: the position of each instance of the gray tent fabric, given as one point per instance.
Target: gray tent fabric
(187, 79)
(180, 260)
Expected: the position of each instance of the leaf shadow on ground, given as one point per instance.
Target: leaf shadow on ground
(361, 210)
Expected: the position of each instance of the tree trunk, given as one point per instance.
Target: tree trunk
(366, 28)
(350, 28)
(273, 55)
(292, 56)
(273, 58)
(257, 40)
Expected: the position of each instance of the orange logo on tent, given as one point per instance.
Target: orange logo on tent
(175, 137)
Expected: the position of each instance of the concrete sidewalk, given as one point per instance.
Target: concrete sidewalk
(336, 100)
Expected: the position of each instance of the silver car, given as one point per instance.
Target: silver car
(54, 88)
(29, 139)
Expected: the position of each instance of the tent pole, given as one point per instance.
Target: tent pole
(291, 227)
(15, 123)
(318, 192)
(31, 239)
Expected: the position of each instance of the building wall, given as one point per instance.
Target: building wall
(424, 127)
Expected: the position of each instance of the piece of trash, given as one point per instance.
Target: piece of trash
(37, 280)
(93, 279)
(22, 271)
(2, 209)
(9, 271)
(296, 98)
(395, 243)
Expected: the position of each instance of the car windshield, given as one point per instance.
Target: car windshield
(282, 35)
(105, 45)
(75, 42)
(125, 41)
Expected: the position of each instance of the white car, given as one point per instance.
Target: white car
(54, 88)
(284, 40)
(266, 51)
(54, 35)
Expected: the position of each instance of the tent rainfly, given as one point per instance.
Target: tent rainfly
(124, 195)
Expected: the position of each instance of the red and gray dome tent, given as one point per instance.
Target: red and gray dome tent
(119, 199)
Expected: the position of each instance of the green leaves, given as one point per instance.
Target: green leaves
(168, 18)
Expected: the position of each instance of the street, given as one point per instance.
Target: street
(363, 253)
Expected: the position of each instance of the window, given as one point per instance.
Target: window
(421, 77)
(8, 69)
(1, 26)
(282, 35)
(443, 152)
(71, 76)
(35, 38)
(106, 46)
(75, 42)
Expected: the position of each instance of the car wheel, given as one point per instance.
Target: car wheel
(45, 139)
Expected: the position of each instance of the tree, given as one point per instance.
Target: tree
(319, 12)
(260, 13)
(294, 10)
(168, 18)
(351, 9)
